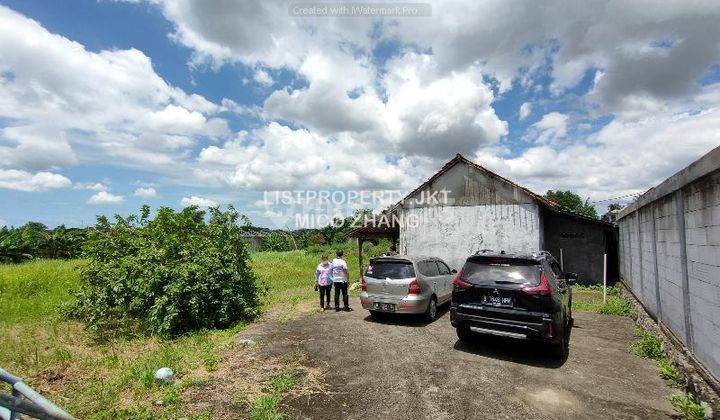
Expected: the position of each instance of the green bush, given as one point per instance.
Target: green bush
(169, 275)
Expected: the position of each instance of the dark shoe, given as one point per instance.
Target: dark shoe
(348, 309)
(337, 309)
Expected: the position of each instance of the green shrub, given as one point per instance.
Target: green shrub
(690, 409)
(169, 275)
(647, 345)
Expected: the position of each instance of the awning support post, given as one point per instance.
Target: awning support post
(360, 256)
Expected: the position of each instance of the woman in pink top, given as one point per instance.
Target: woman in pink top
(324, 282)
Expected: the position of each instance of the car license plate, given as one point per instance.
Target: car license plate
(387, 307)
(497, 300)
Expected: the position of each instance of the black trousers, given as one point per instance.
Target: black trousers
(341, 287)
(325, 295)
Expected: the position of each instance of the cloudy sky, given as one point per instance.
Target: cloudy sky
(105, 105)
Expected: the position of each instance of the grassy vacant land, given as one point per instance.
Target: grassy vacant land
(114, 378)
(590, 299)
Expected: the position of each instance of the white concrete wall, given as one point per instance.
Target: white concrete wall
(682, 257)
(455, 232)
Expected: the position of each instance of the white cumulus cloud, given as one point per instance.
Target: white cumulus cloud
(13, 179)
(551, 128)
(197, 201)
(104, 197)
(525, 110)
(148, 192)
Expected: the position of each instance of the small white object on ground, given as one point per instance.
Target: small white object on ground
(247, 342)
(164, 375)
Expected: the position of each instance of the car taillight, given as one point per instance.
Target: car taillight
(541, 289)
(459, 283)
(414, 288)
(363, 284)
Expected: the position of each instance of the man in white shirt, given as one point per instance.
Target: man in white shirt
(340, 278)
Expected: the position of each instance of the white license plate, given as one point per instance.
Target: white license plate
(494, 300)
(387, 307)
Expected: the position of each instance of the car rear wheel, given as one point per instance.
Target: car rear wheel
(561, 350)
(431, 312)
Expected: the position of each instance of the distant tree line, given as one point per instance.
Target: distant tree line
(572, 202)
(332, 234)
(35, 240)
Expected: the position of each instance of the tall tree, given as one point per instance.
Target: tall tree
(573, 202)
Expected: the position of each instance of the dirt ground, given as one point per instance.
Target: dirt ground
(403, 368)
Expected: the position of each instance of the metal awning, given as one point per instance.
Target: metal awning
(374, 232)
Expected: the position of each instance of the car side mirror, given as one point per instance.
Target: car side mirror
(453, 271)
(571, 277)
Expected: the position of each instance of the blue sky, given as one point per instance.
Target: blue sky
(112, 104)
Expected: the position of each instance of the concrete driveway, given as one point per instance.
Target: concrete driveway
(402, 368)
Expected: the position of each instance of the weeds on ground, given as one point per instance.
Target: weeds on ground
(265, 407)
(650, 347)
(616, 305)
(647, 345)
(688, 407)
(670, 372)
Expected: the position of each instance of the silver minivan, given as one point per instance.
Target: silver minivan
(406, 285)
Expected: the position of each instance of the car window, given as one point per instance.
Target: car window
(390, 269)
(428, 268)
(443, 268)
(501, 270)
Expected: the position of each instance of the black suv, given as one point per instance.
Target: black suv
(511, 295)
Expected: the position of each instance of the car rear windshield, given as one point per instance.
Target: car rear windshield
(390, 269)
(498, 270)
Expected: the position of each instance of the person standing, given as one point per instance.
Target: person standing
(340, 278)
(324, 282)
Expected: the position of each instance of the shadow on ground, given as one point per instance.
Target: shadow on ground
(516, 351)
(406, 320)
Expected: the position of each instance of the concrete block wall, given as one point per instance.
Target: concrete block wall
(669, 266)
(670, 256)
(647, 263)
(702, 236)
